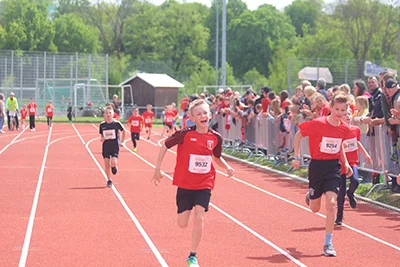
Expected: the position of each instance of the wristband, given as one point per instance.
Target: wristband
(296, 158)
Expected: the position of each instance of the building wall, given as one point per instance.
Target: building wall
(164, 96)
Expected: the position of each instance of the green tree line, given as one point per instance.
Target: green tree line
(179, 38)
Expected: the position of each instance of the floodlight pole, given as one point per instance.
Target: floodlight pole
(217, 44)
(223, 63)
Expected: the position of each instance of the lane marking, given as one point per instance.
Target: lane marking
(295, 204)
(262, 238)
(126, 207)
(12, 141)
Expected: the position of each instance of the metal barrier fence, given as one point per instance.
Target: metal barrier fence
(264, 138)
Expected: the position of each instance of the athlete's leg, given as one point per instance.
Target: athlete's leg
(183, 219)
(198, 221)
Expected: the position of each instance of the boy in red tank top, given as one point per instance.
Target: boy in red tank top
(351, 146)
(50, 114)
(194, 172)
(136, 125)
(148, 117)
(326, 135)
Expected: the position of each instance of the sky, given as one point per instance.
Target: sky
(251, 4)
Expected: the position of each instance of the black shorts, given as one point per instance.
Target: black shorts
(169, 126)
(323, 176)
(110, 151)
(135, 136)
(186, 199)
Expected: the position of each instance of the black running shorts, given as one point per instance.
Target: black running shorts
(323, 176)
(135, 136)
(186, 199)
(110, 151)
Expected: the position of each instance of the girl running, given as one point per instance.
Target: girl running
(24, 113)
(32, 112)
(148, 117)
(109, 130)
(326, 148)
(194, 172)
(50, 114)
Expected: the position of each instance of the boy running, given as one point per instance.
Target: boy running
(326, 148)
(32, 112)
(148, 117)
(351, 146)
(194, 172)
(136, 123)
(109, 131)
(24, 113)
(50, 114)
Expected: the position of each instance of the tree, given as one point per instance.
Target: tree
(73, 35)
(254, 78)
(304, 12)
(255, 36)
(27, 25)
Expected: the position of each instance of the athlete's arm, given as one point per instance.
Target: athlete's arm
(221, 162)
(367, 156)
(343, 160)
(297, 139)
(157, 172)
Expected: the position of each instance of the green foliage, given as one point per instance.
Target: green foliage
(255, 79)
(304, 12)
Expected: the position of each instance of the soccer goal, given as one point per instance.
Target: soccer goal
(90, 99)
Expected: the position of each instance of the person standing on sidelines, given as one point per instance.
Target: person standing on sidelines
(50, 113)
(194, 172)
(136, 124)
(351, 146)
(109, 130)
(2, 112)
(148, 117)
(32, 108)
(326, 135)
(12, 105)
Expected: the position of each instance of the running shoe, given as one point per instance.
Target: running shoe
(329, 251)
(192, 262)
(134, 149)
(109, 183)
(352, 200)
(114, 170)
(308, 198)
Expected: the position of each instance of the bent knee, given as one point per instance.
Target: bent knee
(182, 224)
(330, 204)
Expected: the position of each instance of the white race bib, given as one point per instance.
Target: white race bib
(49, 110)
(32, 110)
(135, 123)
(169, 119)
(200, 164)
(109, 134)
(11, 113)
(330, 145)
(350, 145)
(147, 120)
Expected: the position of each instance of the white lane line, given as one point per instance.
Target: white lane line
(28, 235)
(298, 205)
(282, 251)
(12, 141)
(126, 207)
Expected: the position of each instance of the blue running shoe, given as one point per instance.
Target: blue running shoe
(192, 262)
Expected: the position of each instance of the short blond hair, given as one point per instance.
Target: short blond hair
(309, 91)
(363, 101)
(345, 88)
(196, 103)
(339, 98)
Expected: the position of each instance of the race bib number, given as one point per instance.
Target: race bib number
(109, 134)
(169, 119)
(49, 110)
(350, 145)
(32, 110)
(147, 120)
(11, 113)
(330, 145)
(200, 164)
(135, 123)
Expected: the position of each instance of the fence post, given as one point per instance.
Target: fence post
(20, 77)
(12, 70)
(37, 94)
(76, 80)
(346, 71)
(89, 78)
(53, 92)
(44, 75)
(107, 94)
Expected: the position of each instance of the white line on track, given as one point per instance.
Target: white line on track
(282, 251)
(12, 141)
(293, 203)
(127, 209)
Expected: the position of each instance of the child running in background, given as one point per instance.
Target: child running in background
(49, 114)
(109, 130)
(136, 123)
(24, 113)
(169, 121)
(32, 113)
(148, 117)
(326, 135)
(351, 146)
(194, 172)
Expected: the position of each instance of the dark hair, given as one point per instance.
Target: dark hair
(361, 86)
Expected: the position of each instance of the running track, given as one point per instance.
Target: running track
(55, 210)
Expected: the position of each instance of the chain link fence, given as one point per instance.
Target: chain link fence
(335, 71)
(48, 76)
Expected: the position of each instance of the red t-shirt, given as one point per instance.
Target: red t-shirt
(194, 169)
(175, 112)
(265, 103)
(49, 111)
(148, 118)
(325, 140)
(32, 109)
(135, 122)
(184, 103)
(23, 112)
(351, 146)
(169, 118)
(285, 103)
(325, 110)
